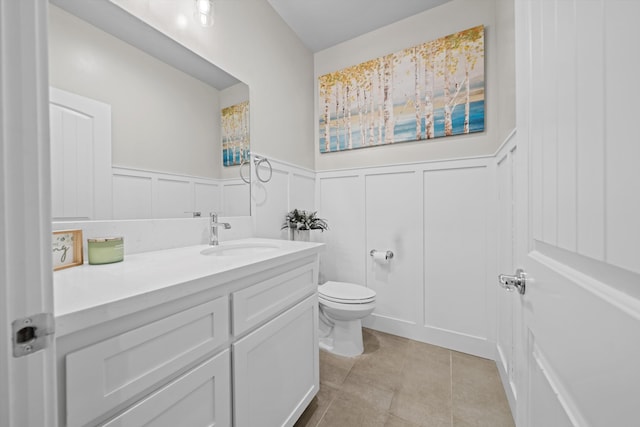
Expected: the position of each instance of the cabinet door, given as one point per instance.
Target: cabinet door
(276, 368)
(199, 398)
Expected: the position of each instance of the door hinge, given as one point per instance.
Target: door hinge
(30, 333)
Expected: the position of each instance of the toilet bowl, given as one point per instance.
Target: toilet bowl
(342, 308)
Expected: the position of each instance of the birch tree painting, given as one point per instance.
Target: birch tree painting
(235, 134)
(424, 92)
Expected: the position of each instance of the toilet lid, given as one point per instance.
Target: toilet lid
(346, 293)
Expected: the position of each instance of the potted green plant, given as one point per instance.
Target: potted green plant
(300, 223)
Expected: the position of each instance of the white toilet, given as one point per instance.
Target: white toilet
(342, 308)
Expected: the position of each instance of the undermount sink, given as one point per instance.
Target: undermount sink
(240, 249)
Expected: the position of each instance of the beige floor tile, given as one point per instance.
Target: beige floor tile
(368, 389)
(471, 369)
(376, 342)
(433, 410)
(334, 369)
(403, 383)
(427, 375)
(350, 411)
(383, 359)
(420, 351)
(478, 398)
(318, 406)
(386, 369)
(394, 421)
(460, 422)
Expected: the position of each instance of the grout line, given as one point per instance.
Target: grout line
(325, 411)
(451, 379)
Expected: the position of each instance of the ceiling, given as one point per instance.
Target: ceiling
(324, 23)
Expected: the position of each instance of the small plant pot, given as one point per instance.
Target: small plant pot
(300, 235)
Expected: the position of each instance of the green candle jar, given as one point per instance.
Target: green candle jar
(105, 250)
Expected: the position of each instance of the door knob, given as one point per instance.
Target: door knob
(518, 281)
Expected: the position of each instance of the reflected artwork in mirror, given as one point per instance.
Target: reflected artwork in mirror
(136, 120)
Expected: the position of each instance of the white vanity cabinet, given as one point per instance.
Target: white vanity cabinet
(237, 350)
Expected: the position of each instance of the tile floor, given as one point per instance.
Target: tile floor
(402, 383)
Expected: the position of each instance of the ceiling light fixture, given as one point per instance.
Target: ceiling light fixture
(203, 13)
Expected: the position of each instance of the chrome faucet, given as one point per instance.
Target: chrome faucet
(213, 228)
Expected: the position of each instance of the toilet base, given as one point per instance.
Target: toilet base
(345, 339)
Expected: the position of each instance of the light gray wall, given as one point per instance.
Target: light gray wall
(506, 48)
(234, 95)
(250, 41)
(162, 119)
(449, 18)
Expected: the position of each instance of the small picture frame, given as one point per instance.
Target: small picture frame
(67, 249)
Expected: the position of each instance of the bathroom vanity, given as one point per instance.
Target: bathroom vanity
(190, 336)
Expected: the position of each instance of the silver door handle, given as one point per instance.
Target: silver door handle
(519, 281)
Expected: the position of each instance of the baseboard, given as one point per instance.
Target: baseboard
(506, 384)
(476, 346)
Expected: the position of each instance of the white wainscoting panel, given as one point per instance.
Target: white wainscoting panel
(455, 224)
(236, 199)
(303, 192)
(272, 202)
(132, 196)
(207, 198)
(173, 198)
(290, 187)
(393, 220)
(435, 217)
(140, 194)
(341, 203)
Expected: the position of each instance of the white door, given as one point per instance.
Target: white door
(80, 157)
(509, 309)
(577, 211)
(27, 383)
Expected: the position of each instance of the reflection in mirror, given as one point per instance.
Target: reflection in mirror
(132, 136)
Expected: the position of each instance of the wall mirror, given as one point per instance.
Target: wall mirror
(136, 120)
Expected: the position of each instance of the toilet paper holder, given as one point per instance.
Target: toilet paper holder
(388, 254)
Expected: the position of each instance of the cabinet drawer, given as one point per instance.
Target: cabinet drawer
(255, 304)
(199, 398)
(109, 373)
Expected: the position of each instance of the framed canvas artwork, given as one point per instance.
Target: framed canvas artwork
(235, 134)
(428, 91)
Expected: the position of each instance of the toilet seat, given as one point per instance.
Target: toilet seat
(346, 293)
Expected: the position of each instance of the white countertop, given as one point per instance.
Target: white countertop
(90, 294)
